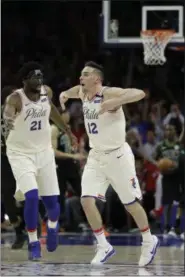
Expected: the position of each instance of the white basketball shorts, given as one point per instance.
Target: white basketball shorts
(116, 168)
(34, 171)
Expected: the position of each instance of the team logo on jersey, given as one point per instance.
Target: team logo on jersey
(35, 113)
(90, 114)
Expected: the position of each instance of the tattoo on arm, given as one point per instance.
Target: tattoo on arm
(10, 110)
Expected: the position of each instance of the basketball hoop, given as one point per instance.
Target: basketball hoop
(155, 42)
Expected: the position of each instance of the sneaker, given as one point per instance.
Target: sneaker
(52, 238)
(103, 254)
(148, 251)
(34, 251)
(182, 236)
(19, 242)
(172, 233)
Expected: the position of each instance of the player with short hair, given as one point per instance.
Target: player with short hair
(110, 160)
(27, 112)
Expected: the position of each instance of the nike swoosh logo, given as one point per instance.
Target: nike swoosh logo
(119, 156)
(107, 251)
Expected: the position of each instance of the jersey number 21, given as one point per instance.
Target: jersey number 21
(35, 125)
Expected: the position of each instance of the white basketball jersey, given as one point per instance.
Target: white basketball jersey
(32, 131)
(107, 131)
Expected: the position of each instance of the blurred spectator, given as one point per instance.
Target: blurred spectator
(76, 121)
(156, 115)
(175, 117)
(74, 215)
(149, 147)
(171, 149)
(148, 185)
(139, 125)
(134, 140)
(84, 149)
(68, 167)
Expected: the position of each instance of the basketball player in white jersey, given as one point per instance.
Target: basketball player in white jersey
(27, 112)
(110, 160)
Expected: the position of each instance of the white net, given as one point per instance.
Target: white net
(154, 45)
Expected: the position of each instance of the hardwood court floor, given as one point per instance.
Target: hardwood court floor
(73, 260)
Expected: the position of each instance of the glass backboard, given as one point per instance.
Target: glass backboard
(122, 21)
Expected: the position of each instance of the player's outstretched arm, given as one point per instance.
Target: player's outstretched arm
(74, 92)
(57, 119)
(115, 97)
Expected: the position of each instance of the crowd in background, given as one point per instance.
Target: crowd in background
(62, 39)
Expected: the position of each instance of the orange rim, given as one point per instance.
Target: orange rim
(178, 48)
(160, 34)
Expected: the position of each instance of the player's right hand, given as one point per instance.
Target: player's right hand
(63, 99)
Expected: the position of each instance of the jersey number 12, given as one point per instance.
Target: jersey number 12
(35, 125)
(92, 127)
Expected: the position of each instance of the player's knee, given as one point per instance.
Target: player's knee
(87, 202)
(133, 207)
(27, 182)
(32, 194)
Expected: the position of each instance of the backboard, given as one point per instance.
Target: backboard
(122, 21)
